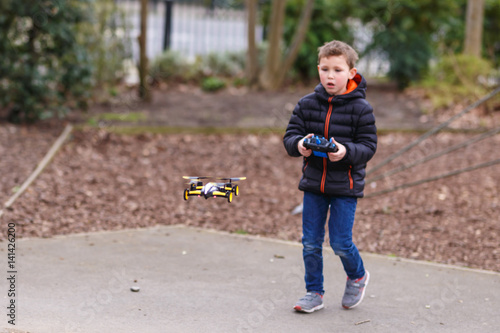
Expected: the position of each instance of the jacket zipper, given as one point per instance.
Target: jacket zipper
(327, 127)
(351, 183)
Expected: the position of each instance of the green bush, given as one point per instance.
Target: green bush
(239, 82)
(107, 42)
(225, 64)
(408, 33)
(462, 69)
(408, 53)
(212, 84)
(452, 35)
(173, 66)
(491, 27)
(457, 78)
(328, 22)
(44, 70)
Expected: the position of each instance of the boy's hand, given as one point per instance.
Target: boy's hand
(335, 157)
(303, 150)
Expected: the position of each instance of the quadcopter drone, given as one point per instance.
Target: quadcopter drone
(224, 189)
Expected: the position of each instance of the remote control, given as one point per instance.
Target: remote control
(320, 146)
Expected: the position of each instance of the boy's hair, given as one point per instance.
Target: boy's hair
(337, 48)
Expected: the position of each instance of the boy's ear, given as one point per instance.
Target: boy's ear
(352, 73)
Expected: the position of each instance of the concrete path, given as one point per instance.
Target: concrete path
(194, 280)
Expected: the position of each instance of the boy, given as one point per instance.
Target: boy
(336, 109)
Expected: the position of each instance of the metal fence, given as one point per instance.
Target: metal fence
(192, 27)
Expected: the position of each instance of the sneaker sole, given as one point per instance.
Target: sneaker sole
(362, 293)
(316, 308)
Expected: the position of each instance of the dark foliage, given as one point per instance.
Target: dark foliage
(44, 70)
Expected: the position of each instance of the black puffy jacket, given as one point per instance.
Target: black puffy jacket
(349, 119)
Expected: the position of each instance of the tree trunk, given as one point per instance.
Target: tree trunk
(274, 51)
(298, 38)
(252, 70)
(474, 27)
(144, 91)
(277, 66)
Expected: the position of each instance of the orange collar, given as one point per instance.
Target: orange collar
(351, 85)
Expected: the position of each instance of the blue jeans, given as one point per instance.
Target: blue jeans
(342, 211)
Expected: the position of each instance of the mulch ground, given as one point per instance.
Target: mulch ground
(105, 181)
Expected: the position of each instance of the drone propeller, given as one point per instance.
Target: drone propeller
(233, 179)
(194, 180)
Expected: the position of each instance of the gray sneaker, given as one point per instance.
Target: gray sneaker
(309, 303)
(355, 291)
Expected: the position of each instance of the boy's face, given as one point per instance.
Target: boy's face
(334, 73)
